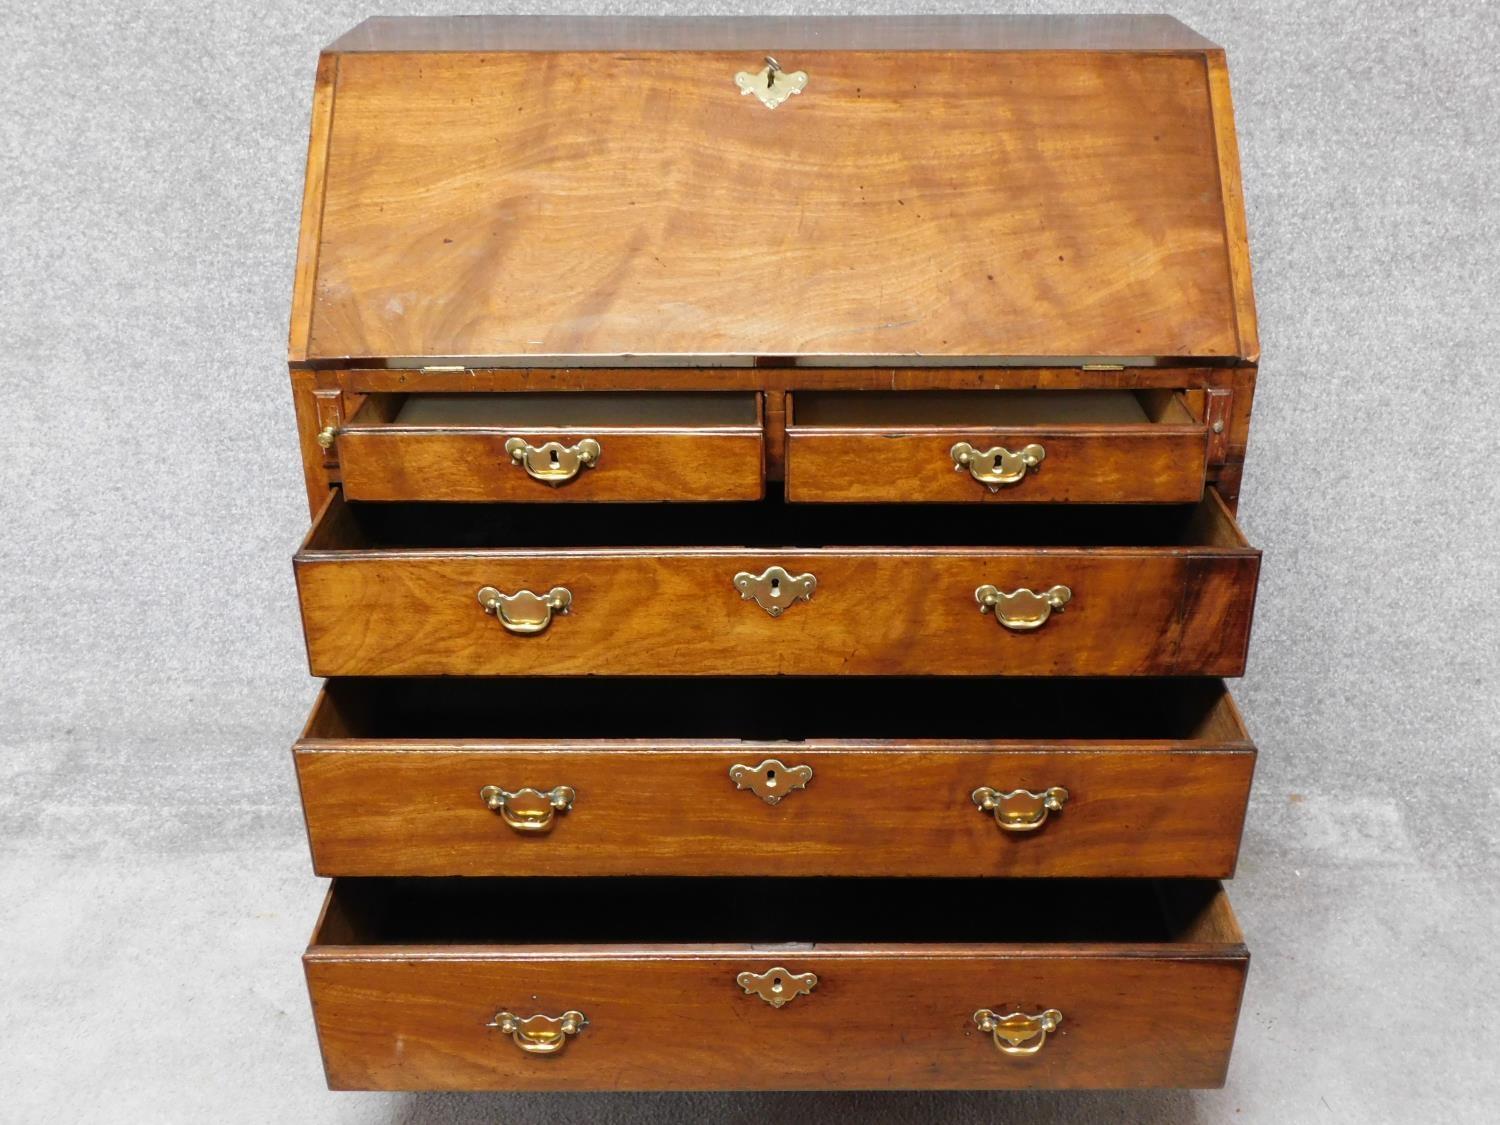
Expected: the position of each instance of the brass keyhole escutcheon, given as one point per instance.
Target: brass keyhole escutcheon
(1020, 810)
(1017, 1033)
(775, 590)
(771, 780)
(771, 84)
(777, 986)
(1022, 610)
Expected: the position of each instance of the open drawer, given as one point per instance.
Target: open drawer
(748, 984)
(1085, 446)
(520, 589)
(566, 446)
(786, 776)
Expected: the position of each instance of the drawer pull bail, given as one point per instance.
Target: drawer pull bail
(1022, 610)
(771, 780)
(528, 810)
(777, 986)
(539, 1035)
(1018, 1033)
(997, 467)
(553, 463)
(775, 590)
(523, 612)
(1020, 810)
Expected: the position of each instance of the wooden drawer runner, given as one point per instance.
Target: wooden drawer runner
(1094, 447)
(784, 776)
(650, 590)
(883, 984)
(549, 447)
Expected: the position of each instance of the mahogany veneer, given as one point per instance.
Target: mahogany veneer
(586, 338)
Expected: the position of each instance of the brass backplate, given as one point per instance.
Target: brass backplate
(1017, 1033)
(777, 986)
(771, 84)
(1020, 810)
(774, 589)
(539, 1034)
(1022, 610)
(528, 810)
(771, 780)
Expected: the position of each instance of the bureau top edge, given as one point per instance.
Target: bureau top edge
(956, 365)
(734, 33)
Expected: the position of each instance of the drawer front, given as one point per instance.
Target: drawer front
(875, 1020)
(817, 808)
(859, 448)
(554, 447)
(679, 612)
(852, 1016)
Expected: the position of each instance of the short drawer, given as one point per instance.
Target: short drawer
(844, 589)
(774, 984)
(1087, 446)
(788, 776)
(547, 447)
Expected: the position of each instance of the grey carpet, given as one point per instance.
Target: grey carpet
(154, 884)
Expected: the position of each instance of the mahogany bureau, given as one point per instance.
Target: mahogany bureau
(774, 553)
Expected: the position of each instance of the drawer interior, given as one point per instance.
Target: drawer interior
(911, 410)
(654, 410)
(771, 523)
(776, 709)
(689, 910)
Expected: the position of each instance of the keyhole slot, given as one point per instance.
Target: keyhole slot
(552, 453)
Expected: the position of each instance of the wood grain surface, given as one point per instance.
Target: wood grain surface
(881, 1016)
(947, 203)
(383, 457)
(1169, 610)
(668, 807)
(911, 460)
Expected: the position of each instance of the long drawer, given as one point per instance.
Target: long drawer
(788, 776)
(745, 984)
(776, 588)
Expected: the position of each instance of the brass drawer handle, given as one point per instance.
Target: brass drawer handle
(1022, 610)
(771, 780)
(777, 986)
(774, 589)
(1013, 1032)
(539, 1035)
(1020, 810)
(998, 467)
(553, 462)
(523, 612)
(528, 810)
